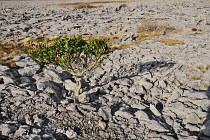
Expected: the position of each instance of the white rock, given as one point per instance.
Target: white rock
(84, 97)
(192, 127)
(8, 129)
(52, 75)
(155, 126)
(154, 110)
(48, 136)
(24, 129)
(102, 124)
(28, 120)
(139, 106)
(34, 137)
(36, 131)
(175, 95)
(71, 108)
(193, 118)
(69, 85)
(7, 79)
(123, 113)
(3, 68)
(105, 112)
(71, 134)
(142, 116)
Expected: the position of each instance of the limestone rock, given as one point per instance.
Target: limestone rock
(8, 129)
(123, 112)
(105, 112)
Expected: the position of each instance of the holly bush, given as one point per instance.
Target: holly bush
(73, 54)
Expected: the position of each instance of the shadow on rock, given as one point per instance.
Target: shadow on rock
(205, 131)
(135, 70)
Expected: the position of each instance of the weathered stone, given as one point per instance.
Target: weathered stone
(155, 126)
(175, 95)
(139, 106)
(69, 85)
(84, 97)
(126, 82)
(8, 129)
(36, 131)
(61, 109)
(154, 110)
(25, 80)
(142, 116)
(105, 112)
(18, 92)
(48, 86)
(191, 127)
(6, 79)
(71, 134)
(52, 75)
(87, 107)
(34, 137)
(48, 136)
(29, 71)
(37, 121)
(23, 63)
(22, 130)
(102, 124)
(3, 68)
(174, 76)
(193, 118)
(65, 102)
(104, 134)
(123, 112)
(71, 107)
(165, 137)
(28, 120)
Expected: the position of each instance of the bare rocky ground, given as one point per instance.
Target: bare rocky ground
(151, 90)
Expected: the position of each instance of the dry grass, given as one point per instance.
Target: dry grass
(113, 37)
(17, 48)
(196, 31)
(195, 78)
(203, 69)
(10, 50)
(124, 5)
(146, 36)
(82, 5)
(151, 28)
(190, 29)
(153, 25)
(9, 62)
(170, 42)
(121, 47)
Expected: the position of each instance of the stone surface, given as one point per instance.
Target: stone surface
(71, 134)
(105, 112)
(7, 129)
(150, 90)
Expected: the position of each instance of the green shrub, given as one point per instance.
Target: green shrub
(75, 55)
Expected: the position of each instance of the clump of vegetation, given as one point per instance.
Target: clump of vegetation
(9, 62)
(170, 42)
(153, 25)
(151, 28)
(121, 47)
(10, 50)
(75, 55)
